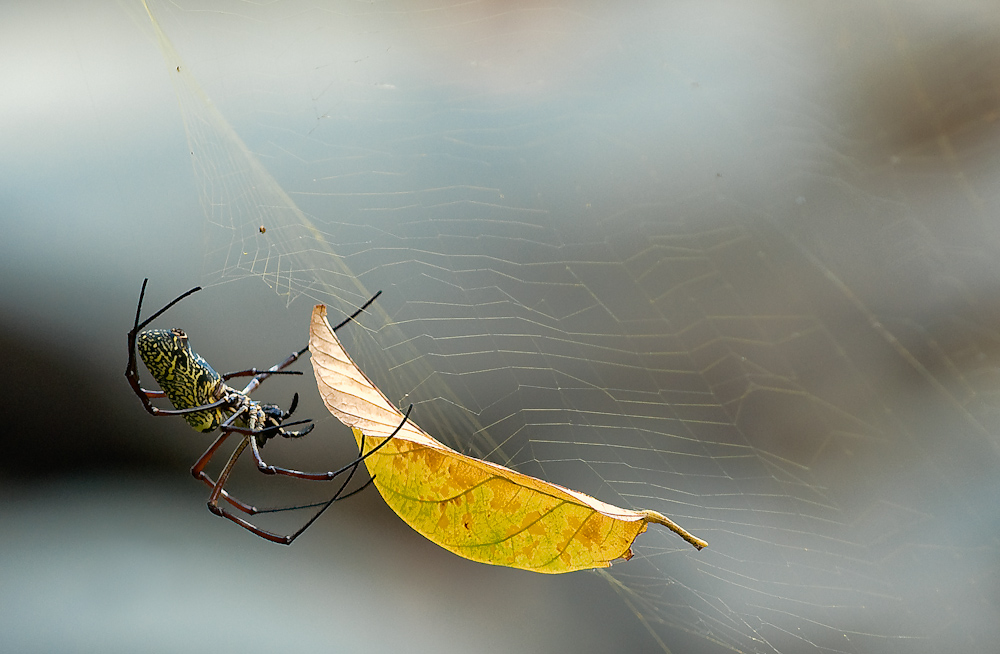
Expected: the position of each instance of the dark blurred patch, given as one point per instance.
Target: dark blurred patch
(61, 416)
(915, 78)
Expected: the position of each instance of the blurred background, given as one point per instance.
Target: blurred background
(735, 262)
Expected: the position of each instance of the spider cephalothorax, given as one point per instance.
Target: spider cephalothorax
(202, 397)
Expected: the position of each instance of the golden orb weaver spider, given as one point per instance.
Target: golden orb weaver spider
(201, 396)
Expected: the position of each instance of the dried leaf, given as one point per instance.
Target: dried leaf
(476, 509)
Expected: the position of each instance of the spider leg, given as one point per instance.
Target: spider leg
(316, 476)
(254, 372)
(358, 312)
(249, 509)
(313, 505)
(338, 495)
(277, 368)
(180, 412)
(287, 540)
(274, 429)
(261, 436)
(213, 501)
(294, 356)
(198, 472)
(137, 326)
(295, 434)
(217, 492)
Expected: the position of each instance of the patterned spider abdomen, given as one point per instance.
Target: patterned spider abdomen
(186, 378)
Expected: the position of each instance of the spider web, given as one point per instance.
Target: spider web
(670, 257)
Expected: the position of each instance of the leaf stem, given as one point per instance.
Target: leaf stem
(660, 519)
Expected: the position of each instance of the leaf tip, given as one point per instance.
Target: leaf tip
(660, 519)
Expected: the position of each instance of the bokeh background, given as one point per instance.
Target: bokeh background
(736, 262)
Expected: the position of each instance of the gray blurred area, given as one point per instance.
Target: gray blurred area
(736, 262)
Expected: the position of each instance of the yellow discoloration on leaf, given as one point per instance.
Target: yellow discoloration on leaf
(476, 509)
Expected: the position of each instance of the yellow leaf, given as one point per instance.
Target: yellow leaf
(476, 509)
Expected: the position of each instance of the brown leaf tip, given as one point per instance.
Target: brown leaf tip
(660, 519)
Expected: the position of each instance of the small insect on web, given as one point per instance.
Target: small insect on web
(201, 396)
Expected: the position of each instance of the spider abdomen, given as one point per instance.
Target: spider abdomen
(186, 378)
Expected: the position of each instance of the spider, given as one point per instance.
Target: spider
(201, 396)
